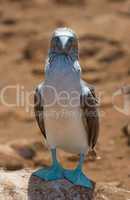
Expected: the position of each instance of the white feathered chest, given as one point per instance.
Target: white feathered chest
(63, 120)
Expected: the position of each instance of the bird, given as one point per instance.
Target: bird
(66, 109)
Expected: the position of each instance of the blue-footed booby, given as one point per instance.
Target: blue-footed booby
(66, 108)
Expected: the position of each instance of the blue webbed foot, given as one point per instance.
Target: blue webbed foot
(53, 173)
(78, 178)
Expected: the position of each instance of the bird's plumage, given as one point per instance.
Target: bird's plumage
(66, 108)
(39, 110)
(89, 107)
(63, 73)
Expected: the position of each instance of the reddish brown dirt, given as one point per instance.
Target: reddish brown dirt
(103, 28)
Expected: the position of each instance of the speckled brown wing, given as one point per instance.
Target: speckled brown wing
(38, 109)
(90, 115)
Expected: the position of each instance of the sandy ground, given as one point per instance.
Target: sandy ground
(103, 28)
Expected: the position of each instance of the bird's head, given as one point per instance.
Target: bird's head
(64, 41)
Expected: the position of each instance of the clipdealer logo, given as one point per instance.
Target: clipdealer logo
(24, 98)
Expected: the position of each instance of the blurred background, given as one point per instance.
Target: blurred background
(103, 28)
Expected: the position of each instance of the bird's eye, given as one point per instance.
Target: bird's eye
(56, 39)
(71, 40)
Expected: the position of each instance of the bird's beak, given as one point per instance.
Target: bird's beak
(64, 41)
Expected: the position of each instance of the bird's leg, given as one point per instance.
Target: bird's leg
(52, 173)
(77, 177)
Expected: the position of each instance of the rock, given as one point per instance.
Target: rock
(38, 72)
(102, 49)
(112, 191)
(88, 52)
(13, 186)
(42, 159)
(126, 131)
(35, 50)
(60, 189)
(8, 22)
(26, 152)
(32, 152)
(21, 115)
(39, 146)
(129, 72)
(9, 160)
(112, 55)
(70, 2)
(124, 9)
(117, 1)
(92, 156)
(95, 39)
(23, 185)
(94, 77)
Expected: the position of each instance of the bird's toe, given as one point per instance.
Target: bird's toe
(52, 173)
(78, 178)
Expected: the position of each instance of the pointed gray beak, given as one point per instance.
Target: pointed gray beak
(64, 41)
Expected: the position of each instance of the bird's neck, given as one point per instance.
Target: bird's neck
(63, 72)
(62, 63)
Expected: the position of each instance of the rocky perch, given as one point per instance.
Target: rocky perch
(21, 185)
